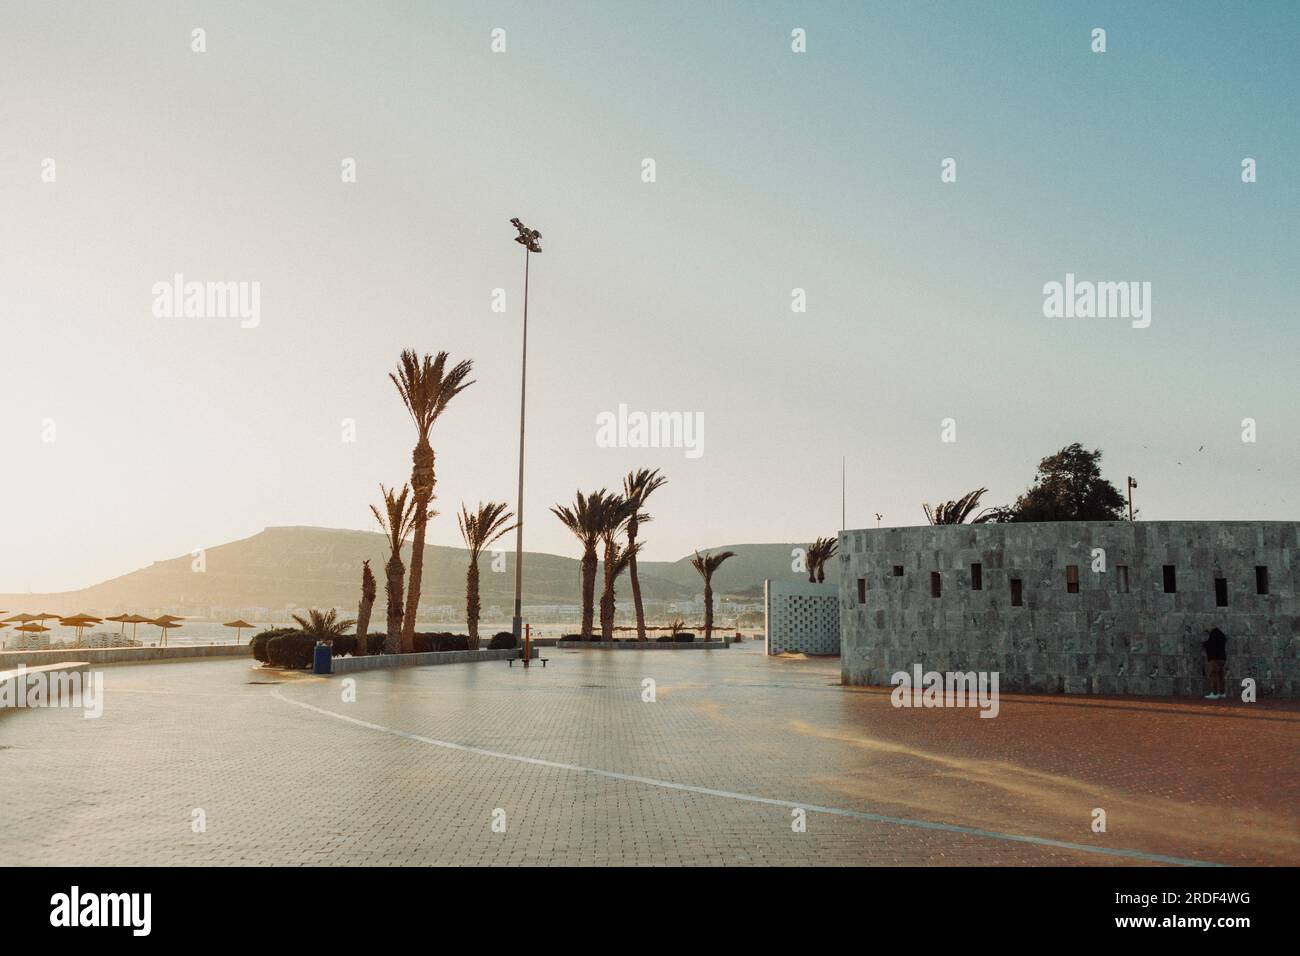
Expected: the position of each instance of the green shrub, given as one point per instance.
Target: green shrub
(375, 643)
(258, 642)
(291, 651)
(441, 641)
(343, 644)
(503, 640)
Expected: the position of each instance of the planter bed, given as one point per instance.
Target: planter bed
(348, 665)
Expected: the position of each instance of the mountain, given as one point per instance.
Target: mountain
(305, 567)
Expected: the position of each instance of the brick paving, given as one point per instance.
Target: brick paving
(287, 773)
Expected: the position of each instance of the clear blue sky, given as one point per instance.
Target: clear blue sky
(775, 171)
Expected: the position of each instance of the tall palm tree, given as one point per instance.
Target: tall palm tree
(367, 603)
(395, 521)
(637, 487)
(615, 513)
(956, 512)
(426, 386)
(585, 519)
(479, 529)
(818, 553)
(617, 560)
(706, 564)
(322, 625)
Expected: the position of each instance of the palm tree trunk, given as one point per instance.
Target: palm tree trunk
(607, 596)
(422, 482)
(708, 609)
(472, 605)
(366, 606)
(393, 588)
(636, 583)
(588, 590)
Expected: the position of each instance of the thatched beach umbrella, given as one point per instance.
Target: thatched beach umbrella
(133, 620)
(239, 626)
(167, 623)
(21, 619)
(31, 628)
(80, 622)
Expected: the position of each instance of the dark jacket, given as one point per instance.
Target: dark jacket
(1216, 646)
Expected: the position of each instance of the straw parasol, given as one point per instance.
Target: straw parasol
(21, 619)
(239, 626)
(167, 623)
(80, 622)
(134, 620)
(31, 628)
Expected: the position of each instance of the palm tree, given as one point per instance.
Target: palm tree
(585, 519)
(322, 625)
(480, 529)
(617, 560)
(706, 564)
(426, 386)
(818, 553)
(637, 487)
(395, 520)
(956, 512)
(367, 602)
(615, 513)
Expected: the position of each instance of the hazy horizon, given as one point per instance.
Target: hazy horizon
(775, 171)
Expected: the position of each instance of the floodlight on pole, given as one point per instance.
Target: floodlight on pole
(528, 238)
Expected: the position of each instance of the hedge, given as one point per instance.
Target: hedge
(258, 641)
(293, 651)
(502, 640)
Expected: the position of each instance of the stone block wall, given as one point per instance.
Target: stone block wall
(1102, 638)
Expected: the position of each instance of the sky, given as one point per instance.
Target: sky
(130, 437)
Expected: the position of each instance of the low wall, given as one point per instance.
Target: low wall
(801, 617)
(645, 645)
(123, 655)
(369, 662)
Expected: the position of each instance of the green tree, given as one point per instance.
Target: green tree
(818, 553)
(479, 529)
(322, 625)
(957, 512)
(637, 487)
(706, 564)
(586, 519)
(367, 603)
(1069, 487)
(426, 386)
(395, 520)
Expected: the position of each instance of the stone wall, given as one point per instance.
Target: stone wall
(125, 655)
(1105, 637)
(800, 617)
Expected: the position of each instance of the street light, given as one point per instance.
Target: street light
(528, 239)
(1131, 485)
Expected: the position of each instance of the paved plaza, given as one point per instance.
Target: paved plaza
(577, 768)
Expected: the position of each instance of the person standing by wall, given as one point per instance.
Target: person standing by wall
(1216, 657)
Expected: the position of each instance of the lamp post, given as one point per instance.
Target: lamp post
(528, 239)
(1131, 485)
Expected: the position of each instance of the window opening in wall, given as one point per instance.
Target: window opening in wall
(1017, 593)
(936, 585)
(1220, 592)
(977, 577)
(898, 570)
(1121, 579)
(1171, 580)
(862, 590)
(1261, 579)
(1072, 578)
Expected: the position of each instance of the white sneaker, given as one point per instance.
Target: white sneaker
(1211, 697)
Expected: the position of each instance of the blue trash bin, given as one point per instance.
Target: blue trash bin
(321, 659)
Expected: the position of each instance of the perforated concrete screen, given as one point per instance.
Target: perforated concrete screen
(802, 618)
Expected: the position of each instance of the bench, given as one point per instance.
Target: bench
(511, 660)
